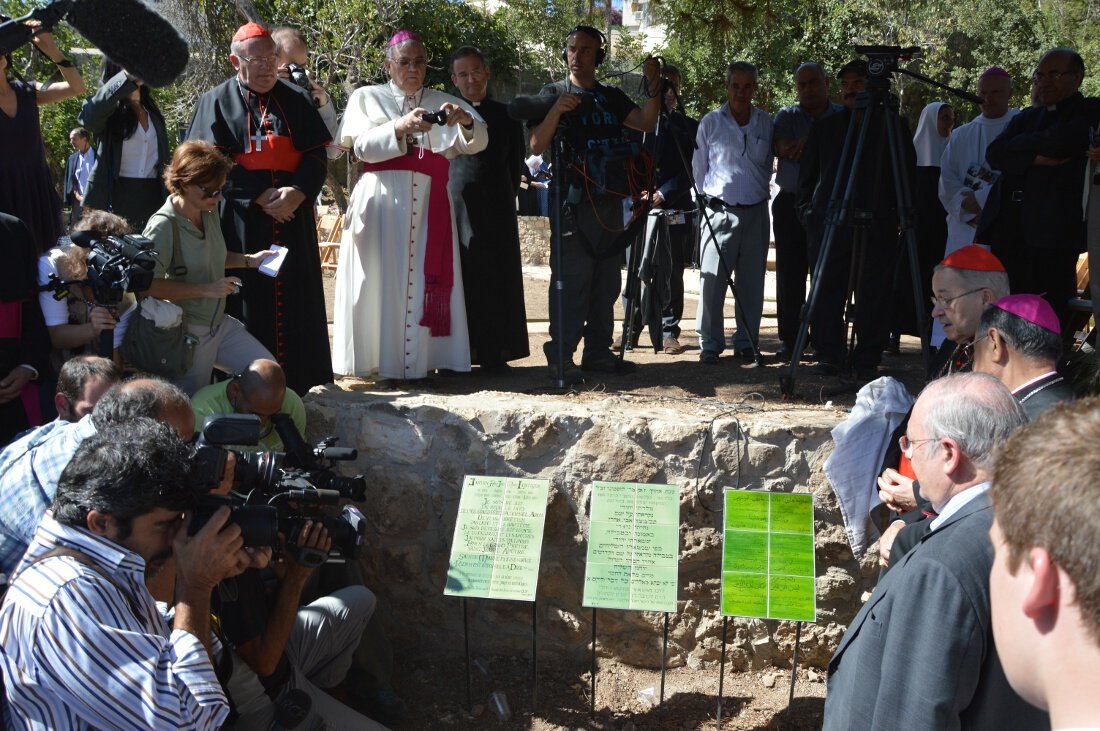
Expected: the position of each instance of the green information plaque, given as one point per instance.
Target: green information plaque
(633, 547)
(768, 555)
(498, 538)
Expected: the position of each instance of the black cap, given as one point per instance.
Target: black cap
(859, 66)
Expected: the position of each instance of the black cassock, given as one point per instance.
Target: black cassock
(277, 139)
(483, 188)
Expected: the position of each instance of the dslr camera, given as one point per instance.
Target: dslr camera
(438, 117)
(298, 75)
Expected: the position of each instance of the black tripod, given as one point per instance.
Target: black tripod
(876, 105)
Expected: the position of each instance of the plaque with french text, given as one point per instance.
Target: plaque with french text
(633, 547)
(768, 555)
(497, 541)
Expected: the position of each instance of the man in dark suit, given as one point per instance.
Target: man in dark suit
(77, 169)
(1038, 226)
(1019, 343)
(920, 654)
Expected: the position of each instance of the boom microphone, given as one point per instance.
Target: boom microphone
(132, 35)
(523, 108)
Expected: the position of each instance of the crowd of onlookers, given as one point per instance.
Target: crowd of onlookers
(220, 234)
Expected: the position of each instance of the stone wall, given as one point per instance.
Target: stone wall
(415, 449)
(534, 240)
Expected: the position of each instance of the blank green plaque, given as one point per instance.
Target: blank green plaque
(498, 538)
(633, 547)
(768, 556)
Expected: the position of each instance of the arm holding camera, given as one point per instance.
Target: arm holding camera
(262, 653)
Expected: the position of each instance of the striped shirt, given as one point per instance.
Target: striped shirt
(29, 470)
(77, 654)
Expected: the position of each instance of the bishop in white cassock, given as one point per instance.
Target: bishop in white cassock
(399, 309)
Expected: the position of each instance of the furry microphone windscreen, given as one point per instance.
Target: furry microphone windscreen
(134, 36)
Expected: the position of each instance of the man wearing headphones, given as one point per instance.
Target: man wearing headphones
(592, 117)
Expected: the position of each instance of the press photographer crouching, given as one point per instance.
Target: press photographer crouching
(80, 594)
(86, 286)
(284, 653)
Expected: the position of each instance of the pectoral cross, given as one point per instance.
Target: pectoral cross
(258, 139)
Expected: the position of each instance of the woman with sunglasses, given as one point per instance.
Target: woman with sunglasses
(191, 271)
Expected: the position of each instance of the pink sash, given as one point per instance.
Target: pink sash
(439, 252)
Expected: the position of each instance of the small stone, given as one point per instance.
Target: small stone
(813, 676)
(769, 680)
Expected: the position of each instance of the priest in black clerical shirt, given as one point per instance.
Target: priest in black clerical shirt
(278, 140)
(483, 188)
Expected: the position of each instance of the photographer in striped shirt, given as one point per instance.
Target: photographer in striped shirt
(82, 642)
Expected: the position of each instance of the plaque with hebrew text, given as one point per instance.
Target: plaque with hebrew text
(768, 555)
(633, 547)
(497, 541)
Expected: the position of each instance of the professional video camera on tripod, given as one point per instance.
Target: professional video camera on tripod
(858, 242)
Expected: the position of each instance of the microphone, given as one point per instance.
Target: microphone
(135, 37)
(525, 108)
(15, 32)
(970, 97)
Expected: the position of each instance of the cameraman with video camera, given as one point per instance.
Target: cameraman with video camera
(80, 594)
(591, 116)
(77, 320)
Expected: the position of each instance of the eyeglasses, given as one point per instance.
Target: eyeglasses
(406, 63)
(207, 193)
(269, 61)
(907, 444)
(944, 302)
(1052, 75)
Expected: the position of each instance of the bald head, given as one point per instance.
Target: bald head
(148, 397)
(260, 389)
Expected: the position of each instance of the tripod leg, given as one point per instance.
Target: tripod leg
(908, 233)
(630, 295)
(851, 153)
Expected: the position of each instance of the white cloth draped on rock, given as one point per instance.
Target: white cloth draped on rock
(380, 278)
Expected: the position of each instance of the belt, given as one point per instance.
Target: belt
(718, 204)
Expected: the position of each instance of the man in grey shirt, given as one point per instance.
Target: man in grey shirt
(791, 130)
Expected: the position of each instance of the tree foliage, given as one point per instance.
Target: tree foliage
(959, 39)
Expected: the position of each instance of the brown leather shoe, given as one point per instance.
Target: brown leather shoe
(672, 346)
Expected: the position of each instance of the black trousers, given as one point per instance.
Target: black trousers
(873, 295)
(792, 264)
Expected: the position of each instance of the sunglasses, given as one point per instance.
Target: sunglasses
(208, 193)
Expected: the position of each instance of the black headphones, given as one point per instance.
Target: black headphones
(591, 32)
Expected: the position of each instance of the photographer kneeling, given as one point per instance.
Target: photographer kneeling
(188, 238)
(82, 641)
(286, 655)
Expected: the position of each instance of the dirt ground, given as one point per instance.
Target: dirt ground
(435, 688)
(661, 377)
(750, 700)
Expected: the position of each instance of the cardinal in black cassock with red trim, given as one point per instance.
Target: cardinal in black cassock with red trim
(277, 138)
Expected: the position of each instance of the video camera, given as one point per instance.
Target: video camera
(116, 265)
(268, 498)
(883, 60)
